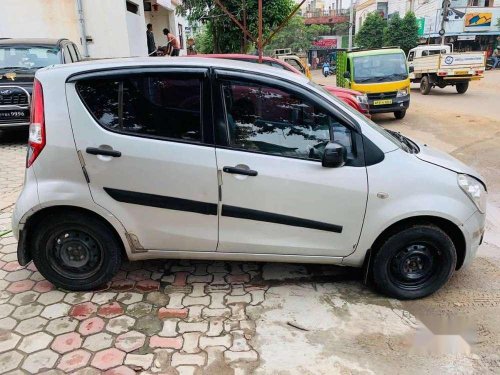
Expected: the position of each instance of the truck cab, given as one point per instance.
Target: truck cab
(381, 74)
(438, 65)
(285, 54)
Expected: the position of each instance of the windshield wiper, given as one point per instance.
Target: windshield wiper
(410, 145)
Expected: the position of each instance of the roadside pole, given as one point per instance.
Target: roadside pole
(446, 8)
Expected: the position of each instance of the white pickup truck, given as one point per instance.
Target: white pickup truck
(438, 65)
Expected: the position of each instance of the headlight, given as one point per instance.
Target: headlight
(402, 92)
(362, 99)
(474, 190)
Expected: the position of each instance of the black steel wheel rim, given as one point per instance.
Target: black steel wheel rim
(414, 266)
(74, 254)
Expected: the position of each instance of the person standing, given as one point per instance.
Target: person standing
(151, 40)
(173, 46)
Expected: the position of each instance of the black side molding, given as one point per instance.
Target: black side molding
(249, 214)
(161, 201)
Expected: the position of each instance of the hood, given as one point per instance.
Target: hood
(442, 159)
(17, 78)
(335, 89)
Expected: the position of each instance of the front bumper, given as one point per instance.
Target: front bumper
(398, 104)
(473, 230)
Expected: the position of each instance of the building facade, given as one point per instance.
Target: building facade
(471, 25)
(113, 28)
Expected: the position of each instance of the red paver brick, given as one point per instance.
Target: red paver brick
(122, 370)
(110, 310)
(238, 279)
(164, 313)
(32, 267)
(83, 310)
(122, 285)
(180, 279)
(12, 266)
(108, 358)
(43, 286)
(166, 342)
(74, 360)
(67, 342)
(91, 326)
(148, 285)
(20, 286)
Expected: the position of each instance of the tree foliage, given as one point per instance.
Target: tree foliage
(402, 32)
(226, 35)
(371, 33)
(297, 36)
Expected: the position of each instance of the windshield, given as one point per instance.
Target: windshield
(380, 68)
(26, 57)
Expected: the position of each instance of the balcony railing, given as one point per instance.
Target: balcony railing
(327, 13)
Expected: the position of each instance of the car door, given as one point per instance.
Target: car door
(145, 140)
(276, 198)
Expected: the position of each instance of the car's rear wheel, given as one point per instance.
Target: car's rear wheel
(425, 85)
(414, 262)
(462, 87)
(400, 114)
(76, 252)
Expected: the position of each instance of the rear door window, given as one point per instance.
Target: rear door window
(155, 106)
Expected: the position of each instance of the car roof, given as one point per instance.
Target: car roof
(203, 62)
(373, 52)
(253, 58)
(31, 41)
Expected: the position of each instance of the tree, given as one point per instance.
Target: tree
(371, 33)
(226, 35)
(296, 35)
(392, 33)
(409, 32)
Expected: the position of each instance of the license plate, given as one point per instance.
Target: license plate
(13, 114)
(381, 102)
(461, 72)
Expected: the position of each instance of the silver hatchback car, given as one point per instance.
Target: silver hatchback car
(216, 159)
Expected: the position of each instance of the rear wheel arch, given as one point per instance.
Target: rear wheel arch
(447, 226)
(41, 215)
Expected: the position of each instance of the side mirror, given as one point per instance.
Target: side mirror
(334, 155)
(411, 69)
(347, 75)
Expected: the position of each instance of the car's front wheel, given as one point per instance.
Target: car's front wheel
(414, 262)
(76, 251)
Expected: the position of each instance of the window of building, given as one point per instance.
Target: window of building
(147, 6)
(481, 3)
(156, 106)
(132, 7)
(273, 121)
(181, 35)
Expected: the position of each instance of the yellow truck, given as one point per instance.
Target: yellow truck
(285, 54)
(381, 74)
(437, 65)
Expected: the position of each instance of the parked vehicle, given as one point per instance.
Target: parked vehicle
(286, 55)
(212, 159)
(437, 65)
(490, 62)
(353, 98)
(381, 74)
(19, 60)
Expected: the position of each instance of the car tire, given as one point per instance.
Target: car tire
(76, 251)
(400, 114)
(462, 87)
(414, 262)
(425, 85)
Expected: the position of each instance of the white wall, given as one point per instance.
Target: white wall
(136, 30)
(39, 19)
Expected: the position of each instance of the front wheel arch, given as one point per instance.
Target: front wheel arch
(447, 226)
(39, 216)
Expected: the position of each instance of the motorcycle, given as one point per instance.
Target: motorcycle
(327, 71)
(489, 64)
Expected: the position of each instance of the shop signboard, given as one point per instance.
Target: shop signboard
(475, 21)
(421, 26)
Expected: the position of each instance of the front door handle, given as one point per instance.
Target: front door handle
(103, 151)
(242, 171)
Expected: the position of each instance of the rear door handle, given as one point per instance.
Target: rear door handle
(103, 151)
(242, 171)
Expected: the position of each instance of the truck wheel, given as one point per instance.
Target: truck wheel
(414, 262)
(76, 252)
(425, 85)
(400, 114)
(462, 87)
